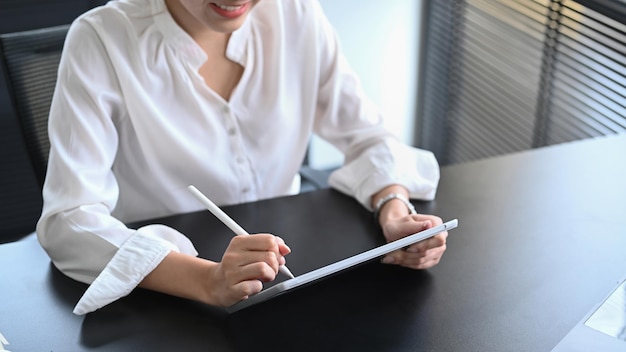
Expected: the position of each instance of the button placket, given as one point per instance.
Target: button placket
(244, 175)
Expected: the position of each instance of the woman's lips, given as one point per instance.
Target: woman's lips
(230, 11)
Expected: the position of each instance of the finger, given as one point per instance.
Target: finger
(388, 259)
(429, 264)
(402, 260)
(423, 225)
(256, 242)
(421, 261)
(267, 257)
(234, 260)
(245, 289)
(258, 271)
(436, 241)
(414, 260)
(283, 248)
(407, 228)
(392, 258)
(434, 219)
(420, 266)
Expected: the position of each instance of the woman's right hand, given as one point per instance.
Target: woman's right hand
(247, 263)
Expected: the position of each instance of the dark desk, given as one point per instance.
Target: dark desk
(541, 240)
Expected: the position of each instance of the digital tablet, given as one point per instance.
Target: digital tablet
(340, 265)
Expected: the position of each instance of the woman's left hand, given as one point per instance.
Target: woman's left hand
(420, 255)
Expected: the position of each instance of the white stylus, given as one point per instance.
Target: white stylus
(238, 230)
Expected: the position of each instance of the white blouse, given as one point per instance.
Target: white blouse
(132, 124)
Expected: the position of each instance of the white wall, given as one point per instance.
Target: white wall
(381, 41)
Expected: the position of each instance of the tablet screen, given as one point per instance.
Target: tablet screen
(341, 265)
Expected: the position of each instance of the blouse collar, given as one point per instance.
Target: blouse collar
(182, 42)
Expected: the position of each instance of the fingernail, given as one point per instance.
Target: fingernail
(280, 241)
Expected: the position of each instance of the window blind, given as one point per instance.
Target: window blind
(500, 76)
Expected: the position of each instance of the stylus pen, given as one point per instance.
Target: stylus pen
(238, 230)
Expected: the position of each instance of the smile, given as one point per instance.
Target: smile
(228, 8)
(230, 11)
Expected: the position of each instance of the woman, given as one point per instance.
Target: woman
(154, 95)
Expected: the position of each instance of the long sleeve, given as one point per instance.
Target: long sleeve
(374, 157)
(76, 228)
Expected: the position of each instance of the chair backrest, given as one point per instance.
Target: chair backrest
(30, 60)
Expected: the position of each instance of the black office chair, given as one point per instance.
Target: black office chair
(30, 60)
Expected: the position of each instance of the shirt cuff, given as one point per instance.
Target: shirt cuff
(132, 262)
(416, 169)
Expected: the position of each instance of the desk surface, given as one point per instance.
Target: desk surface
(541, 241)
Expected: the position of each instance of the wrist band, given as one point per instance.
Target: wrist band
(384, 200)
